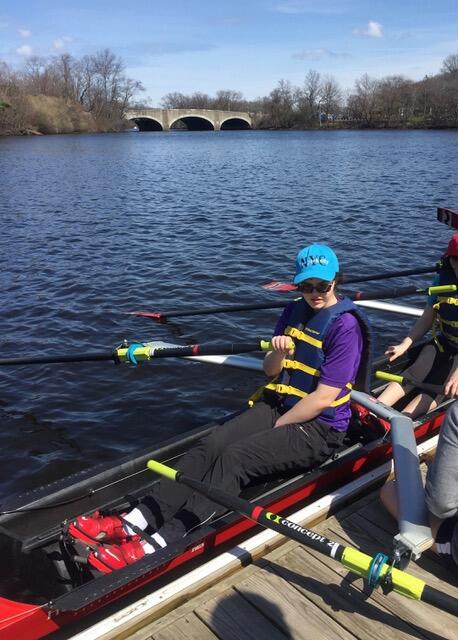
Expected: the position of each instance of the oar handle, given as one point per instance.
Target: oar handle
(442, 288)
(163, 470)
(354, 560)
(392, 377)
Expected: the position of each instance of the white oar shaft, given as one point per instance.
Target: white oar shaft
(401, 309)
(240, 362)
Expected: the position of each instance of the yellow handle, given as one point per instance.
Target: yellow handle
(141, 353)
(443, 288)
(384, 375)
(162, 469)
(266, 345)
(403, 583)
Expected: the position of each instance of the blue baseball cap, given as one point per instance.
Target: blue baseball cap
(316, 261)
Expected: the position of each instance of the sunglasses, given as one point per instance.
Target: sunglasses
(322, 287)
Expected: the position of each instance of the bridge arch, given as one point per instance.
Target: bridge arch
(153, 119)
(194, 122)
(235, 122)
(146, 123)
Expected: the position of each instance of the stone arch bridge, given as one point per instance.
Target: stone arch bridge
(191, 119)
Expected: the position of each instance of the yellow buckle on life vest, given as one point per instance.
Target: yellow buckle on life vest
(453, 301)
(295, 364)
(252, 400)
(287, 389)
(293, 332)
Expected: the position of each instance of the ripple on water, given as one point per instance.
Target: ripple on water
(96, 226)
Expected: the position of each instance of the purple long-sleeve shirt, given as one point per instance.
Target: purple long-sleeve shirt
(342, 349)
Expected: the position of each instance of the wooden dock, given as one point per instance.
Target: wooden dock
(295, 592)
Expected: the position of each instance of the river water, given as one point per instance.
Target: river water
(95, 226)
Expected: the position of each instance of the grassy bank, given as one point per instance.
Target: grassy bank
(40, 114)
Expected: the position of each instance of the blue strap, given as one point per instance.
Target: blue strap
(377, 564)
(130, 352)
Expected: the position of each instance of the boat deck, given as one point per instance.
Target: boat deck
(294, 592)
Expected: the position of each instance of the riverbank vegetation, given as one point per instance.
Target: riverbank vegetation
(392, 102)
(64, 94)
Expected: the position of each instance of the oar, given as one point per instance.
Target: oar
(137, 352)
(447, 216)
(383, 294)
(391, 377)
(203, 311)
(286, 286)
(376, 570)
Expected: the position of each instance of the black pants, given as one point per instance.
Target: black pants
(242, 450)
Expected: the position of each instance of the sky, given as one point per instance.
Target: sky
(244, 45)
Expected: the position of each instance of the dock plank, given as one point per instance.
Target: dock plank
(436, 624)
(372, 538)
(186, 628)
(341, 600)
(296, 592)
(187, 608)
(296, 615)
(232, 617)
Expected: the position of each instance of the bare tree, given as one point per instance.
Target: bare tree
(228, 100)
(394, 99)
(174, 101)
(65, 69)
(363, 103)
(39, 77)
(450, 64)
(308, 98)
(331, 96)
(279, 106)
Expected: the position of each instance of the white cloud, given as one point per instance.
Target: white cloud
(373, 29)
(25, 33)
(59, 43)
(26, 50)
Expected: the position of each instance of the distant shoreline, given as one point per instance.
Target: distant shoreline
(35, 132)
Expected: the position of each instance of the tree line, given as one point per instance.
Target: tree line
(393, 101)
(97, 85)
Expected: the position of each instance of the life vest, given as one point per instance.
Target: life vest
(301, 372)
(445, 329)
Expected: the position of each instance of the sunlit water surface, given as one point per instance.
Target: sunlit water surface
(95, 226)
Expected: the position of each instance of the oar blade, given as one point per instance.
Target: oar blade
(448, 217)
(279, 286)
